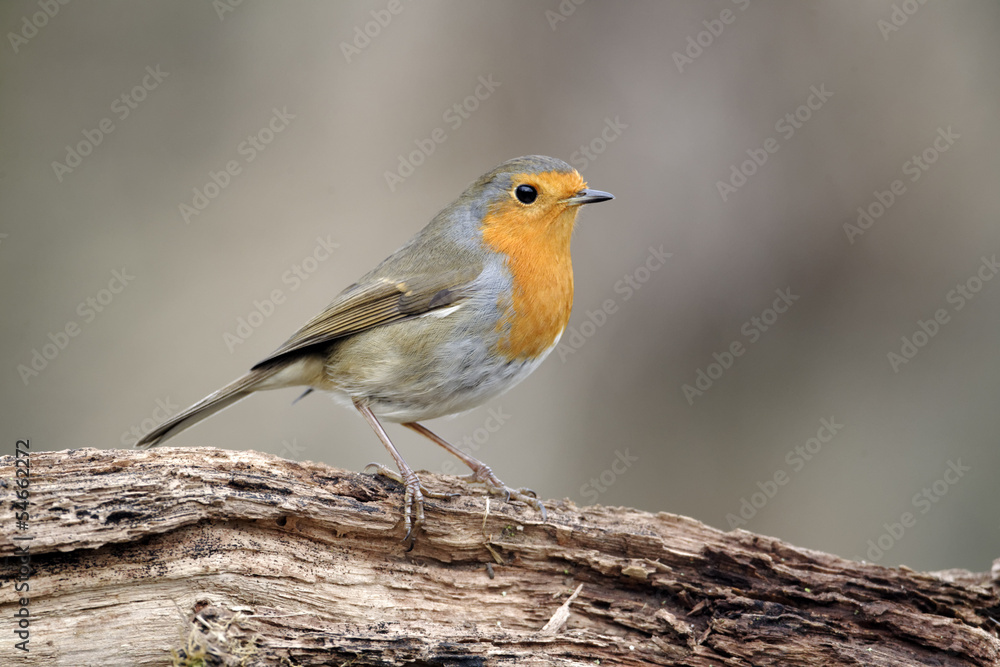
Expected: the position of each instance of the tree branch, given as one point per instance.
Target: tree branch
(242, 558)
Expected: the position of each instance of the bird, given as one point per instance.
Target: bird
(462, 312)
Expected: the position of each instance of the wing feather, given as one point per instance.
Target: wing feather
(381, 301)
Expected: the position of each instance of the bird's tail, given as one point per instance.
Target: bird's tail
(220, 400)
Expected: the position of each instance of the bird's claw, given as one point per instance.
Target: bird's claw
(413, 497)
(484, 475)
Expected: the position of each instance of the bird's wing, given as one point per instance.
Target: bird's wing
(376, 302)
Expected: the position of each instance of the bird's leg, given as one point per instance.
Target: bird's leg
(414, 490)
(481, 473)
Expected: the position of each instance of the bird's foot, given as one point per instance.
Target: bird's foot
(413, 497)
(482, 474)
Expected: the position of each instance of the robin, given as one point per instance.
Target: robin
(461, 313)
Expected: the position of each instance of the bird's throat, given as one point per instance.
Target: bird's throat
(538, 257)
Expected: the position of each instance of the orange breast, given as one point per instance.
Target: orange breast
(538, 257)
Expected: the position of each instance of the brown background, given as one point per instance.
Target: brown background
(161, 338)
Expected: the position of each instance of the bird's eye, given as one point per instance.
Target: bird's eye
(526, 194)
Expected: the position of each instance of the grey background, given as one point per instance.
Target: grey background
(161, 338)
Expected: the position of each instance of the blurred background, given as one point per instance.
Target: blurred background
(184, 184)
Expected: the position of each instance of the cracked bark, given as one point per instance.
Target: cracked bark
(242, 558)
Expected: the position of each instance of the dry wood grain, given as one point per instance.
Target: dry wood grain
(242, 558)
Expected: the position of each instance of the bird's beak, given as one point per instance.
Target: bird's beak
(588, 196)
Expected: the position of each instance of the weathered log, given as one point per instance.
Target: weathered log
(242, 558)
